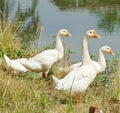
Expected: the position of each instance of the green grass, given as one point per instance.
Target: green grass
(23, 94)
(10, 42)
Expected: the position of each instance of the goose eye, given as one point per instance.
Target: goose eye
(107, 48)
(90, 31)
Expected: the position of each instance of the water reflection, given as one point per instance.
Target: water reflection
(108, 13)
(76, 15)
(109, 18)
(72, 4)
(21, 10)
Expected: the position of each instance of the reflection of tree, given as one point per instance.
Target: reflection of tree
(1, 11)
(109, 17)
(105, 10)
(108, 20)
(31, 26)
(27, 16)
(1, 8)
(68, 4)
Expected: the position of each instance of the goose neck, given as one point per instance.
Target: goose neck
(59, 45)
(101, 59)
(85, 53)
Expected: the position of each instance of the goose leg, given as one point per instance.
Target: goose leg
(77, 99)
(44, 75)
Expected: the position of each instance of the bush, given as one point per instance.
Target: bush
(10, 40)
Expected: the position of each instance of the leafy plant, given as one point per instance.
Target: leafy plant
(10, 41)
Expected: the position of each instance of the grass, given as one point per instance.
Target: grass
(9, 38)
(23, 94)
(26, 93)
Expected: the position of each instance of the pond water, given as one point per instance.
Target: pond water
(77, 16)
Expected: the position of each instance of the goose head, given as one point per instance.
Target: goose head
(64, 32)
(92, 34)
(95, 110)
(107, 49)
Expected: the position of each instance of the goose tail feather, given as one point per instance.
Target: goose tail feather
(56, 80)
(7, 59)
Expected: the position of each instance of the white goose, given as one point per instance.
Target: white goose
(90, 34)
(45, 60)
(78, 80)
(100, 65)
(15, 64)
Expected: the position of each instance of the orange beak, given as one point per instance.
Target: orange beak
(68, 34)
(95, 34)
(111, 52)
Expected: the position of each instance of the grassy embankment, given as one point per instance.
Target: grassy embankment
(23, 94)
